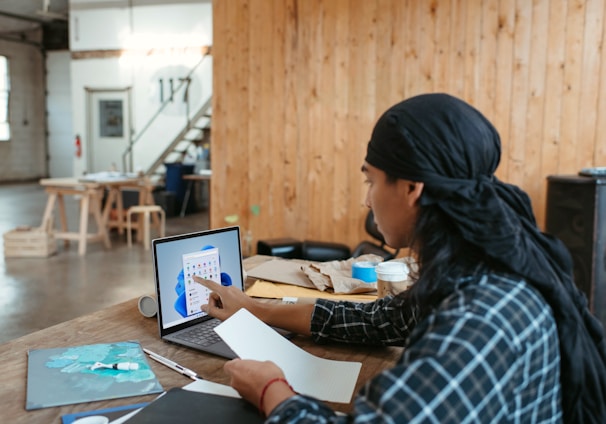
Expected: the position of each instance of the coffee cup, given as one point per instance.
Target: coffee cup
(392, 278)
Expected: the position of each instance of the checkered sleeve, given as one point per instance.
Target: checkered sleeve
(384, 322)
(489, 354)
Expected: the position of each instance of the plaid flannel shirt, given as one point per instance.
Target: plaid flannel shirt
(488, 353)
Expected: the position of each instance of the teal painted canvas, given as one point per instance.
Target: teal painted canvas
(69, 375)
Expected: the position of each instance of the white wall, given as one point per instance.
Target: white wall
(61, 143)
(149, 41)
(23, 157)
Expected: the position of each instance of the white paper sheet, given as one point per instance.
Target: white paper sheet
(206, 386)
(325, 379)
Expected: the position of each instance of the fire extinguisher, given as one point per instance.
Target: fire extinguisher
(78, 146)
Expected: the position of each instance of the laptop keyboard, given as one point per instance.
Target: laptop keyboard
(202, 335)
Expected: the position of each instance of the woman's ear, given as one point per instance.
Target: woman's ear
(415, 189)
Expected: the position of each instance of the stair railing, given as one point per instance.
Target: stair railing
(127, 155)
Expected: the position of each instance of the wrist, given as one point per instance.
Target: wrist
(273, 393)
(261, 310)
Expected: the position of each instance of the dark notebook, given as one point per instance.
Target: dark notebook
(184, 406)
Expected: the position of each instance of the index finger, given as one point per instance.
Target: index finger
(209, 284)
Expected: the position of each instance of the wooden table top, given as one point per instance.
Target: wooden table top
(71, 182)
(124, 322)
(68, 183)
(197, 177)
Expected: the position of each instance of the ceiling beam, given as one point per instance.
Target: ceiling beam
(23, 18)
(22, 41)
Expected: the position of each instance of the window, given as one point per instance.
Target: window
(5, 90)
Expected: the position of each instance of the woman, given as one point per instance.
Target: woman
(493, 328)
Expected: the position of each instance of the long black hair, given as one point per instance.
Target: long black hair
(469, 218)
(443, 257)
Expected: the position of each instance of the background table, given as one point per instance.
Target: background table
(91, 191)
(90, 194)
(191, 180)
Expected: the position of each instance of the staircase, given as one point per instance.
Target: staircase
(192, 137)
(185, 144)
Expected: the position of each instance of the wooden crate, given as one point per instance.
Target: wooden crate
(23, 242)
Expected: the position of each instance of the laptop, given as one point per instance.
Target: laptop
(214, 255)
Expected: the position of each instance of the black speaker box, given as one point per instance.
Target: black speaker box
(576, 214)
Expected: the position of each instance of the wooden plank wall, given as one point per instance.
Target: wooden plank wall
(298, 85)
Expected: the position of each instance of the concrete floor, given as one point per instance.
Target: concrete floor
(36, 293)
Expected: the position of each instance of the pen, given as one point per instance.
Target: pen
(122, 366)
(172, 365)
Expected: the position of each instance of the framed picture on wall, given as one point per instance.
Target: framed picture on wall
(111, 118)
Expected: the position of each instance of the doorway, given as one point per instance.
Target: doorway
(109, 129)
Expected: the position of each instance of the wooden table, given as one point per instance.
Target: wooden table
(191, 180)
(91, 194)
(124, 322)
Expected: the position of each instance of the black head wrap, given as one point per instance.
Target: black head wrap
(454, 150)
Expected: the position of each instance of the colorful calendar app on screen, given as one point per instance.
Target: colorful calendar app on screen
(204, 264)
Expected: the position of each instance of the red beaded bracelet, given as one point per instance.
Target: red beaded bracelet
(269, 383)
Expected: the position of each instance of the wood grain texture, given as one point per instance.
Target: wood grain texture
(298, 86)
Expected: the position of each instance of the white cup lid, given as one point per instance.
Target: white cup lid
(392, 271)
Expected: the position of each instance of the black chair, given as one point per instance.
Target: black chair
(285, 247)
(377, 248)
(322, 251)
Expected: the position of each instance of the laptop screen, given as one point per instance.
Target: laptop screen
(213, 254)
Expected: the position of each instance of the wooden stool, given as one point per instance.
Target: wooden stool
(145, 211)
